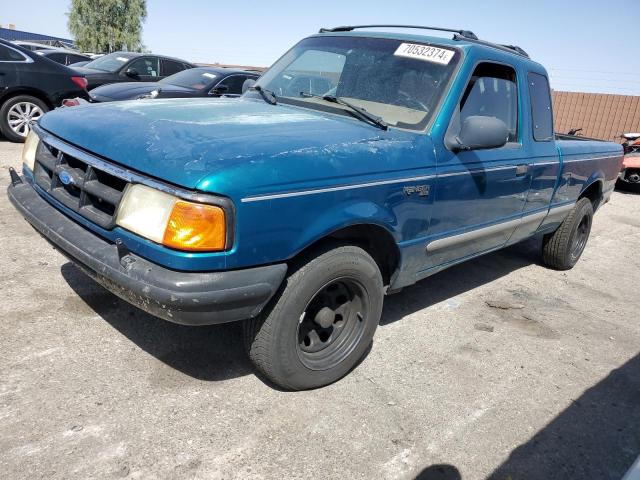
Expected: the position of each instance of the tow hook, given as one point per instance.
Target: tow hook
(124, 254)
(15, 178)
(634, 177)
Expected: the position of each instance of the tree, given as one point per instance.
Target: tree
(105, 26)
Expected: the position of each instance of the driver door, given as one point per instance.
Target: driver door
(480, 194)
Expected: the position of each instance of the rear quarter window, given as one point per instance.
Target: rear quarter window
(10, 55)
(541, 112)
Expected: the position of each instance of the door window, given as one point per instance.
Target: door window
(146, 67)
(59, 58)
(169, 67)
(234, 82)
(492, 92)
(75, 59)
(541, 112)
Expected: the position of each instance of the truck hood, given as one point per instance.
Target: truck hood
(225, 146)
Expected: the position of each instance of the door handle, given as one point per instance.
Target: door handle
(522, 170)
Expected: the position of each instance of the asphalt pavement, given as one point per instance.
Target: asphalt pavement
(497, 368)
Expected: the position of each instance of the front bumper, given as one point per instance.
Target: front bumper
(201, 298)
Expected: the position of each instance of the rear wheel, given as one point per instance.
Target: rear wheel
(18, 114)
(562, 249)
(322, 323)
(631, 182)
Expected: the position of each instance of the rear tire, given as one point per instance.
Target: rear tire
(17, 114)
(628, 186)
(322, 322)
(562, 249)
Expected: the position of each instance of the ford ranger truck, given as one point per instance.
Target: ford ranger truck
(360, 163)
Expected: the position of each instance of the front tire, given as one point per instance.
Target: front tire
(562, 249)
(18, 114)
(322, 322)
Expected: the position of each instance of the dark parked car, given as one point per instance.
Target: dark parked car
(64, 57)
(31, 85)
(128, 66)
(195, 82)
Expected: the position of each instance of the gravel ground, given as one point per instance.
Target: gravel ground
(497, 368)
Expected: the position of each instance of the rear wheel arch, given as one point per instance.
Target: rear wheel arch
(27, 91)
(594, 193)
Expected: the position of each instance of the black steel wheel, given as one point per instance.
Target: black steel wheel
(321, 323)
(332, 324)
(562, 249)
(580, 237)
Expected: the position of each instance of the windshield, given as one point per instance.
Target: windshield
(193, 78)
(400, 82)
(110, 63)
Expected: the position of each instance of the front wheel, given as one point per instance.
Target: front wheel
(322, 323)
(562, 249)
(18, 114)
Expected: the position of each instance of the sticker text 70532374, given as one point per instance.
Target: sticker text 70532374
(425, 52)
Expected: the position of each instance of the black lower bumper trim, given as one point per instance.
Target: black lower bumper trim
(190, 298)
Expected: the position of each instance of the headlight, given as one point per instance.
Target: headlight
(173, 222)
(29, 150)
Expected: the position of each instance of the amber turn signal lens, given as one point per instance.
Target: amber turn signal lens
(195, 227)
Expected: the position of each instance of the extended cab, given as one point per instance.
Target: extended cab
(358, 164)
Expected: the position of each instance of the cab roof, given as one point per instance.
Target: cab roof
(464, 39)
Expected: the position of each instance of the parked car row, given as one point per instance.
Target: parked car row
(194, 82)
(34, 80)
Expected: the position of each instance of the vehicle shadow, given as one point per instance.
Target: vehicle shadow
(627, 190)
(209, 353)
(461, 278)
(598, 436)
(216, 352)
(439, 472)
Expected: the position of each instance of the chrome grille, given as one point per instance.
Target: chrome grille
(85, 189)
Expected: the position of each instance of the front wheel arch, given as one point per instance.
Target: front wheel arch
(376, 240)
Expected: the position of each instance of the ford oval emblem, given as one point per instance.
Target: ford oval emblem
(65, 177)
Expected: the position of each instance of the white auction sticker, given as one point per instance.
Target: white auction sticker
(208, 75)
(425, 52)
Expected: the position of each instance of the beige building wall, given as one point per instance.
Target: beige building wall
(601, 116)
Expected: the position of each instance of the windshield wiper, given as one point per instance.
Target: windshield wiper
(358, 112)
(267, 95)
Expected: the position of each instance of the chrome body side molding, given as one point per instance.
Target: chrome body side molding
(479, 233)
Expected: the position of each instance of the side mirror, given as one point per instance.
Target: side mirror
(481, 133)
(248, 83)
(220, 90)
(132, 72)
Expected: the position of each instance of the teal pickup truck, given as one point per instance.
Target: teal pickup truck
(361, 162)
